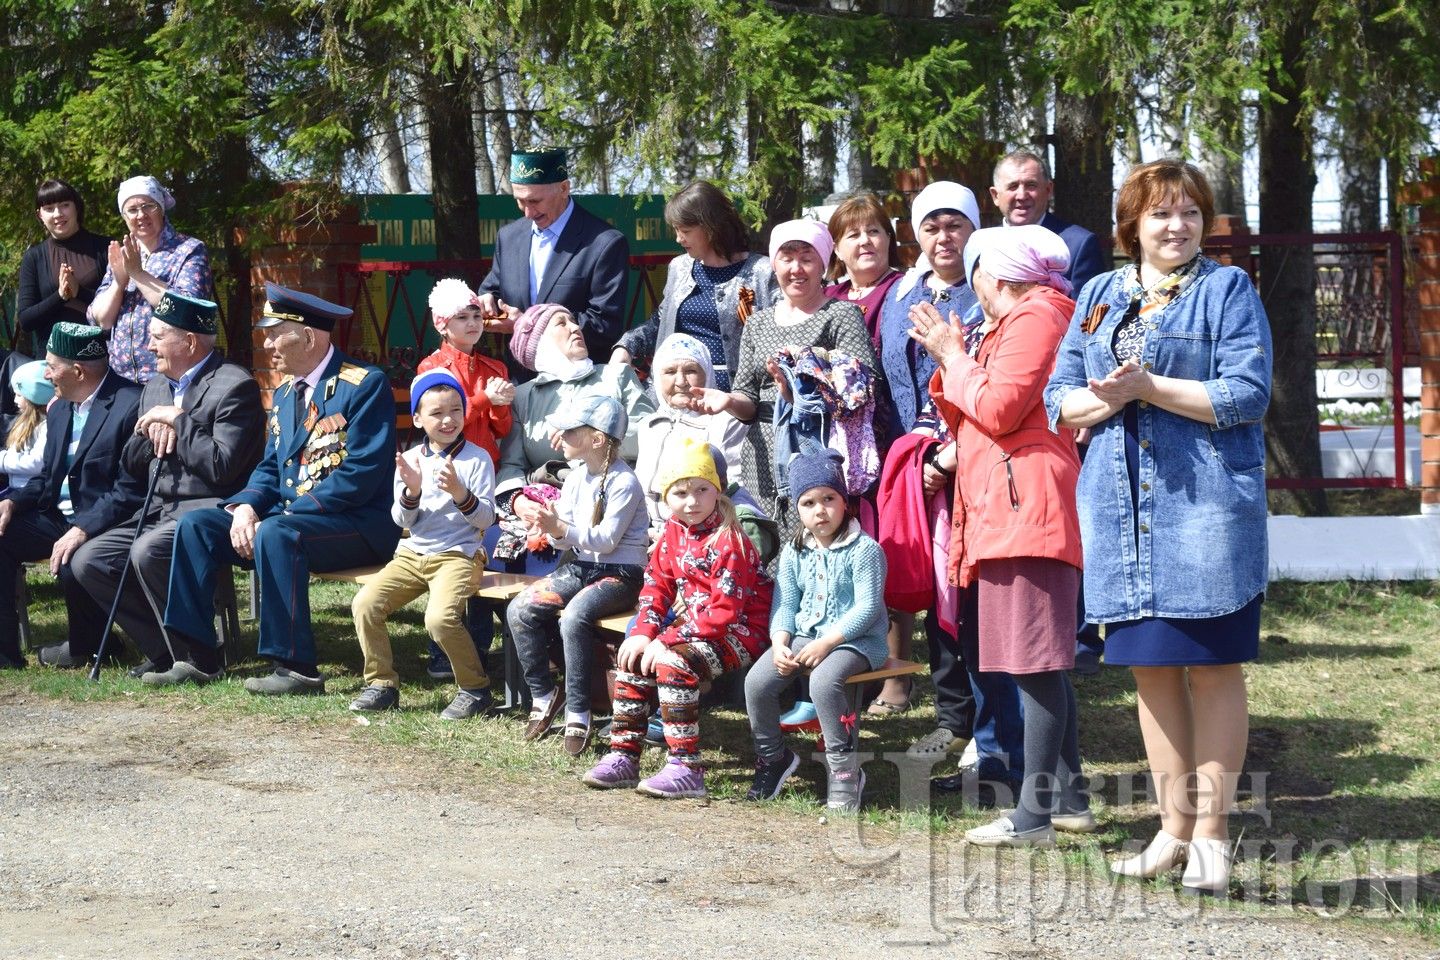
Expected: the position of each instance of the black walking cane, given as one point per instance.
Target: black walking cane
(125, 570)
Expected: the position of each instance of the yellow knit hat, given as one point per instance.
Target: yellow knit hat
(690, 458)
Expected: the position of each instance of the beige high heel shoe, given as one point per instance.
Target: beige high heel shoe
(1164, 853)
(1207, 874)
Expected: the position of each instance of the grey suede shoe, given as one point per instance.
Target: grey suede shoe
(182, 671)
(375, 699)
(467, 705)
(285, 683)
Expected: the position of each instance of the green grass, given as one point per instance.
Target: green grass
(1345, 728)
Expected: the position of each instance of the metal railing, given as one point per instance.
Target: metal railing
(1362, 340)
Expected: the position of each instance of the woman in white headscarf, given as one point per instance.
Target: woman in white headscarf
(681, 366)
(147, 261)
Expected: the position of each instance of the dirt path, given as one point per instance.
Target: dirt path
(142, 833)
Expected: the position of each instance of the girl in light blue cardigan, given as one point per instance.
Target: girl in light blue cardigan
(829, 618)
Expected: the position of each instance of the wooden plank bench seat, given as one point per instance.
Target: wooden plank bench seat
(855, 688)
(504, 587)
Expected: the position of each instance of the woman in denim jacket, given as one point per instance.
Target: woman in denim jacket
(1167, 362)
(711, 288)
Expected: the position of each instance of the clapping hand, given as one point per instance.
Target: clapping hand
(409, 475)
(942, 339)
(66, 286)
(447, 479)
(500, 392)
(548, 521)
(1125, 383)
(115, 254)
(130, 252)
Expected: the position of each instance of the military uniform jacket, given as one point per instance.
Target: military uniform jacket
(338, 460)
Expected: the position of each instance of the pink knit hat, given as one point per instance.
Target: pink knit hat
(812, 232)
(525, 340)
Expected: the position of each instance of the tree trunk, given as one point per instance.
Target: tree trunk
(1084, 163)
(1226, 172)
(1287, 279)
(484, 166)
(1359, 184)
(500, 139)
(826, 157)
(446, 103)
(237, 169)
(776, 148)
(859, 166)
(394, 166)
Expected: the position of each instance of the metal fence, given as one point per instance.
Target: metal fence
(1364, 336)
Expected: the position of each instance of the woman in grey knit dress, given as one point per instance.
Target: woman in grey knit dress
(804, 316)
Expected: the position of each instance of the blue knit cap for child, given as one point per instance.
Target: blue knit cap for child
(435, 378)
(817, 469)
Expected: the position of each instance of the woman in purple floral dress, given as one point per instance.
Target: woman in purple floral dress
(149, 260)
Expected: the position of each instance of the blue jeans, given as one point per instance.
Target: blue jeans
(569, 603)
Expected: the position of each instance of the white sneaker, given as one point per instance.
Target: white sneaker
(1002, 833)
(970, 757)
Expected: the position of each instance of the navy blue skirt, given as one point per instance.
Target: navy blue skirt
(1173, 641)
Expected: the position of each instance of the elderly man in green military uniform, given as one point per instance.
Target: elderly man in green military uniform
(319, 499)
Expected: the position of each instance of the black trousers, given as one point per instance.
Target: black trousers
(949, 670)
(30, 537)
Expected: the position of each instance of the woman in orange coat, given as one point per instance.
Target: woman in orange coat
(1017, 536)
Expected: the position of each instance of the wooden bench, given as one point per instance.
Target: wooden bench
(855, 688)
(504, 587)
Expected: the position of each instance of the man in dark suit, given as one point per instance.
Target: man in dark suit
(77, 495)
(202, 418)
(558, 252)
(1022, 192)
(318, 500)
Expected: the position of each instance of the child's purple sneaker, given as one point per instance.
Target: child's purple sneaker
(674, 782)
(614, 771)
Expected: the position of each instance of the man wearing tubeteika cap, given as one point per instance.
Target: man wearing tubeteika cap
(318, 500)
(76, 496)
(557, 252)
(201, 417)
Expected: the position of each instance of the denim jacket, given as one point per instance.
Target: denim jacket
(680, 283)
(1201, 549)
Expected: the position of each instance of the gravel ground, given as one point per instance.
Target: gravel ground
(143, 833)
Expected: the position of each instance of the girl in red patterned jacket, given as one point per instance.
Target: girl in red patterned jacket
(708, 573)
